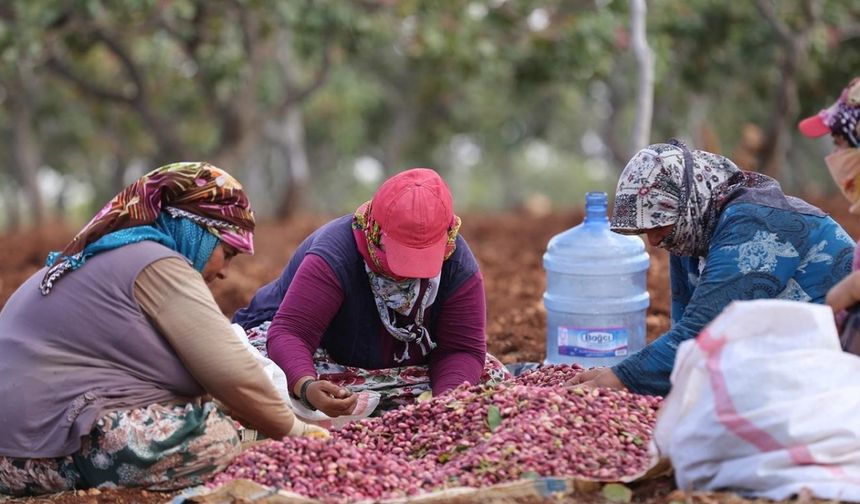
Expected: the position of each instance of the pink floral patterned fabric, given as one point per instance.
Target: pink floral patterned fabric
(199, 189)
(160, 447)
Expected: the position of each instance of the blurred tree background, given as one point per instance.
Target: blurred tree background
(311, 103)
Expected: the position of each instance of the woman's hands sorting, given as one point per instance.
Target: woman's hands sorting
(597, 377)
(331, 399)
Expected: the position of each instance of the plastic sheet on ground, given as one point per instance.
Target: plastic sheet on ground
(764, 402)
(247, 491)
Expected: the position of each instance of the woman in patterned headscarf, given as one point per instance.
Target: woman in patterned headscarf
(108, 352)
(842, 122)
(732, 235)
(386, 301)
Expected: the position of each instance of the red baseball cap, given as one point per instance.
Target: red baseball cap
(414, 210)
(814, 126)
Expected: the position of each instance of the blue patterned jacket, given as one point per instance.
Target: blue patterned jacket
(756, 252)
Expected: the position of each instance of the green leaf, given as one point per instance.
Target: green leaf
(615, 492)
(425, 396)
(494, 417)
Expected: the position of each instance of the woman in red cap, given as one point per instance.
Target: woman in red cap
(842, 122)
(388, 299)
(112, 353)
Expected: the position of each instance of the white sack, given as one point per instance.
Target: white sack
(764, 402)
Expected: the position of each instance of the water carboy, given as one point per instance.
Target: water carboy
(596, 291)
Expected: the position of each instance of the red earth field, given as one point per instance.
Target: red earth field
(509, 248)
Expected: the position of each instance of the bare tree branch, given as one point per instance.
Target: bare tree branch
(240, 118)
(58, 67)
(767, 9)
(190, 46)
(7, 12)
(295, 96)
(850, 32)
(187, 43)
(811, 12)
(127, 63)
(247, 22)
(786, 101)
(374, 5)
(168, 142)
(238, 115)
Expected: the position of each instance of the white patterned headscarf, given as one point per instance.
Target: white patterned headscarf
(665, 184)
(401, 306)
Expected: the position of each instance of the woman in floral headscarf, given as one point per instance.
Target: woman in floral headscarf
(108, 352)
(732, 235)
(842, 122)
(388, 299)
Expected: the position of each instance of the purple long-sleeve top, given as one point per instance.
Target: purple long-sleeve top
(323, 299)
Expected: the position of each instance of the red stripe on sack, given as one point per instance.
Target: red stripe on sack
(726, 411)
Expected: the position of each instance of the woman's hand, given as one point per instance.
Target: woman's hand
(304, 429)
(597, 377)
(332, 400)
(844, 294)
(316, 432)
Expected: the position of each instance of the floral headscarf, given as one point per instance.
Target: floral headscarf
(843, 117)
(401, 302)
(197, 192)
(666, 184)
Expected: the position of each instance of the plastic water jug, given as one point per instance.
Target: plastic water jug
(596, 291)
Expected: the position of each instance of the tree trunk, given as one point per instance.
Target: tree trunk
(298, 167)
(120, 166)
(401, 130)
(616, 98)
(785, 107)
(795, 43)
(512, 196)
(10, 203)
(26, 156)
(645, 89)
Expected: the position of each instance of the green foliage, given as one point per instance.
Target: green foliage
(409, 83)
(615, 492)
(494, 417)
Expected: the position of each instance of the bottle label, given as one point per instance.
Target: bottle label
(592, 341)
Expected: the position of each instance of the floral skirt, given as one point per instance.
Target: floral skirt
(159, 447)
(396, 386)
